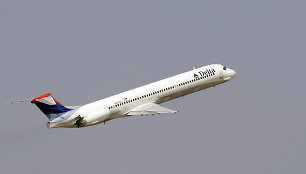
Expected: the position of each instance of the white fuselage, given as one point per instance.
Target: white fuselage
(158, 92)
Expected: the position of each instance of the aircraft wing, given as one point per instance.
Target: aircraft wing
(149, 108)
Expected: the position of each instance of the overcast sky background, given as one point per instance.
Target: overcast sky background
(82, 51)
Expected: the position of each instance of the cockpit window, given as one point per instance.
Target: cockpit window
(224, 68)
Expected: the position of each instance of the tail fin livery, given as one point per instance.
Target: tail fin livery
(49, 106)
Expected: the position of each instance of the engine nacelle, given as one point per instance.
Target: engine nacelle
(97, 117)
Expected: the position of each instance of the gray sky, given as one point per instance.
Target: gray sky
(82, 51)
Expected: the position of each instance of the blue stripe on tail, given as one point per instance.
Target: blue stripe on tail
(52, 111)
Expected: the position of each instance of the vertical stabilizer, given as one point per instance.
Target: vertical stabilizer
(49, 106)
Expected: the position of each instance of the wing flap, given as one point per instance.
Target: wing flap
(148, 109)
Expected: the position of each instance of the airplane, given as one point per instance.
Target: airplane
(141, 101)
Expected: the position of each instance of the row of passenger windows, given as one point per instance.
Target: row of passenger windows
(157, 92)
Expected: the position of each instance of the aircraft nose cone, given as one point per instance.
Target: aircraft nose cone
(233, 73)
(229, 74)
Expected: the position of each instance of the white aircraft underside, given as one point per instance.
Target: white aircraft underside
(144, 100)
